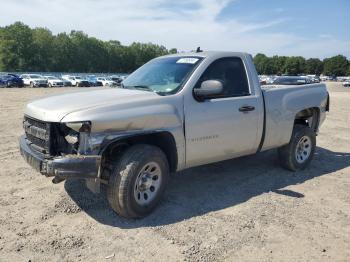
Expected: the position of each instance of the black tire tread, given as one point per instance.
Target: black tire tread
(286, 153)
(118, 194)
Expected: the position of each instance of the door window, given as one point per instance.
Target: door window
(231, 72)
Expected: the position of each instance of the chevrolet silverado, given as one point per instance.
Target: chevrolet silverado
(174, 112)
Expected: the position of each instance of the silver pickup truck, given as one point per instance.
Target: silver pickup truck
(174, 112)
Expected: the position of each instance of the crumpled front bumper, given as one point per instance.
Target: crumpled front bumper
(69, 166)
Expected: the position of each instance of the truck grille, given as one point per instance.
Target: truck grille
(38, 134)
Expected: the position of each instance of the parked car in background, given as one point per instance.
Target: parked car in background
(106, 81)
(117, 79)
(316, 79)
(66, 82)
(34, 80)
(11, 80)
(313, 78)
(343, 78)
(291, 80)
(93, 81)
(77, 80)
(346, 83)
(266, 80)
(54, 81)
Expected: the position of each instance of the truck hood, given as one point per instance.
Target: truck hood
(54, 108)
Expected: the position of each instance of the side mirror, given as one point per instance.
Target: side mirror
(209, 88)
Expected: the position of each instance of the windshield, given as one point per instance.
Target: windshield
(163, 75)
(35, 76)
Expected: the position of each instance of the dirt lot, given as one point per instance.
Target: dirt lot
(247, 209)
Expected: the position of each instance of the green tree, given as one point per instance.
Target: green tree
(278, 63)
(16, 47)
(263, 64)
(42, 57)
(173, 51)
(294, 65)
(63, 54)
(115, 56)
(314, 66)
(336, 65)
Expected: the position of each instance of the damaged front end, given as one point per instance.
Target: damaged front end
(62, 150)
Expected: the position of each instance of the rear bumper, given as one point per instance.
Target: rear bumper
(70, 166)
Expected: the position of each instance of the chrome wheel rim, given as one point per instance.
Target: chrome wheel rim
(303, 149)
(147, 183)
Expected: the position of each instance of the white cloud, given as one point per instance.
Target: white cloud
(182, 24)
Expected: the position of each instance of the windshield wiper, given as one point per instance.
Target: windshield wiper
(142, 87)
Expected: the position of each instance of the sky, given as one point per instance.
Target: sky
(310, 28)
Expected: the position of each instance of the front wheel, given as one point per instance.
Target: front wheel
(298, 154)
(137, 181)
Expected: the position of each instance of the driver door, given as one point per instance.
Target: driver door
(224, 126)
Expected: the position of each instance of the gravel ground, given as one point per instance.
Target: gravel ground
(246, 209)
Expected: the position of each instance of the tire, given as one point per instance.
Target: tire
(8, 84)
(50, 85)
(129, 192)
(298, 154)
(31, 84)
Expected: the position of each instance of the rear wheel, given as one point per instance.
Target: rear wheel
(298, 154)
(137, 181)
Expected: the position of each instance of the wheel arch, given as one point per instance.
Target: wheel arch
(162, 139)
(309, 117)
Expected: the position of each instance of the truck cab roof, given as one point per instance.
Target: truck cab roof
(206, 54)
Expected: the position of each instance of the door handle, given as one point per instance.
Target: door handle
(246, 108)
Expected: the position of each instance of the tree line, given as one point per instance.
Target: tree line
(38, 50)
(294, 65)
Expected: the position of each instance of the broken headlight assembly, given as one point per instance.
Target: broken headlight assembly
(79, 136)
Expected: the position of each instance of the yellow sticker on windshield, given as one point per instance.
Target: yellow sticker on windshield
(187, 60)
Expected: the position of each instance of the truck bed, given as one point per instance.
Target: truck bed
(282, 104)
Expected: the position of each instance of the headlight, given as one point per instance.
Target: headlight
(72, 138)
(83, 130)
(80, 126)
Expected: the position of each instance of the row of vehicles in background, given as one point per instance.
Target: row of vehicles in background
(37, 80)
(288, 80)
(300, 80)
